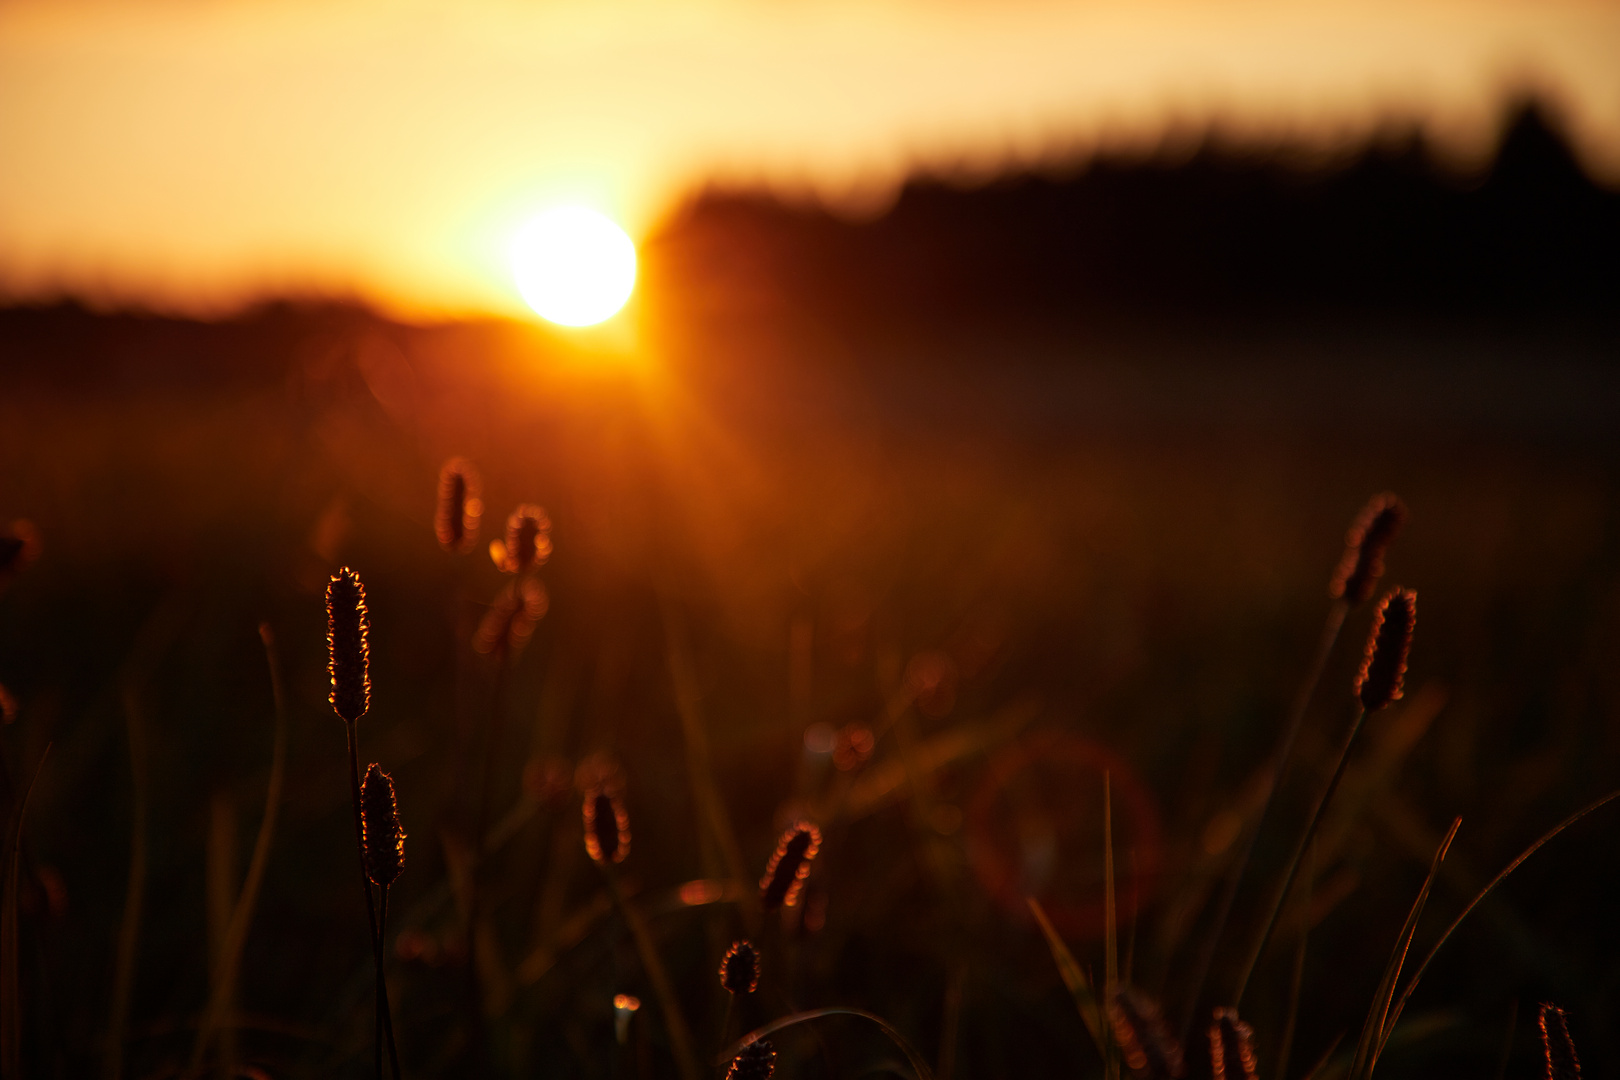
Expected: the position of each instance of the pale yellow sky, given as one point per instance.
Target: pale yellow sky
(195, 154)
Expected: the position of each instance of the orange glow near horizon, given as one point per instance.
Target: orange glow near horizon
(194, 158)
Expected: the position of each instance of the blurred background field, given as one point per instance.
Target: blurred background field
(1046, 477)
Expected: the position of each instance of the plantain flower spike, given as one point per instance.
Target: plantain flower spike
(460, 506)
(1370, 535)
(756, 1061)
(528, 541)
(739, 968)
(380, 833)
(348, 649)
(1562, 1064)
(607, 827)
(1143, 1038)
(1384, 667)
(789, 866)
(1231, 1047)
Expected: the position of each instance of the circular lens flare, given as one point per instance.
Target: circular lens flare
(574, 266)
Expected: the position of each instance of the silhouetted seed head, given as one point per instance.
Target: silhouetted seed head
(1231, 1047)
(1562, 1064)
(380, 834)
(1384, 667)
(509, 623)
(1369, 537)
(8, 707)
(607, 827)
(1144, 1040)
(527, 543)
(739, 969)
(348, 649)
(789, 866)
(756, 1061)
(460, 506)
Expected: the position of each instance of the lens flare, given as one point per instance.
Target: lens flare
(574, 266)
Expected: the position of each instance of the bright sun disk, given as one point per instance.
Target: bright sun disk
(573, 265)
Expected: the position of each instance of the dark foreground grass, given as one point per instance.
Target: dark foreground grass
(991, 664)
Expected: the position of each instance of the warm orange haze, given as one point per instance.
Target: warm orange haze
(781, 540)
(194, 156)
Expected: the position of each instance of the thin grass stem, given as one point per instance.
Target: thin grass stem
(1279, 763)
(1294, 859)
(371, 906)
(1296, 984)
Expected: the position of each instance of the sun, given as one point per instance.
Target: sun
(573, 265)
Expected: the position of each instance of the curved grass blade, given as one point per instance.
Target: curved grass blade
(1411, 985)
(230, 953)
(1084, 1000)
(918, 1065)
(1371, 1042)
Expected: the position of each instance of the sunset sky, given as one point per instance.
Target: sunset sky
(192, 155)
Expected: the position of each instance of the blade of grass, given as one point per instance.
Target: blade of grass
(1406, 994)
(1073, 978)
(230, 954)
(10, 1001)
(1370, 1043)
(915, 1059)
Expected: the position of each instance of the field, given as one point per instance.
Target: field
(1017, 552)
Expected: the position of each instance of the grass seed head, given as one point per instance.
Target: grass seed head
(380, 833)
(348, 647)
(509, 623)
(1384, 667)
(460, 506)
(1143, 1037)
(756, 1061)
(789, 866)
(607, 826)
(1370, 535)
(1231, 1047)
(528, 541)
(739, 968)
(1562, 1064)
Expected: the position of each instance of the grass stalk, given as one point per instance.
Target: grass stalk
(371, 909)
(216, 1017)
(1296, 983)
(1279, 763)
(1313, 821)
